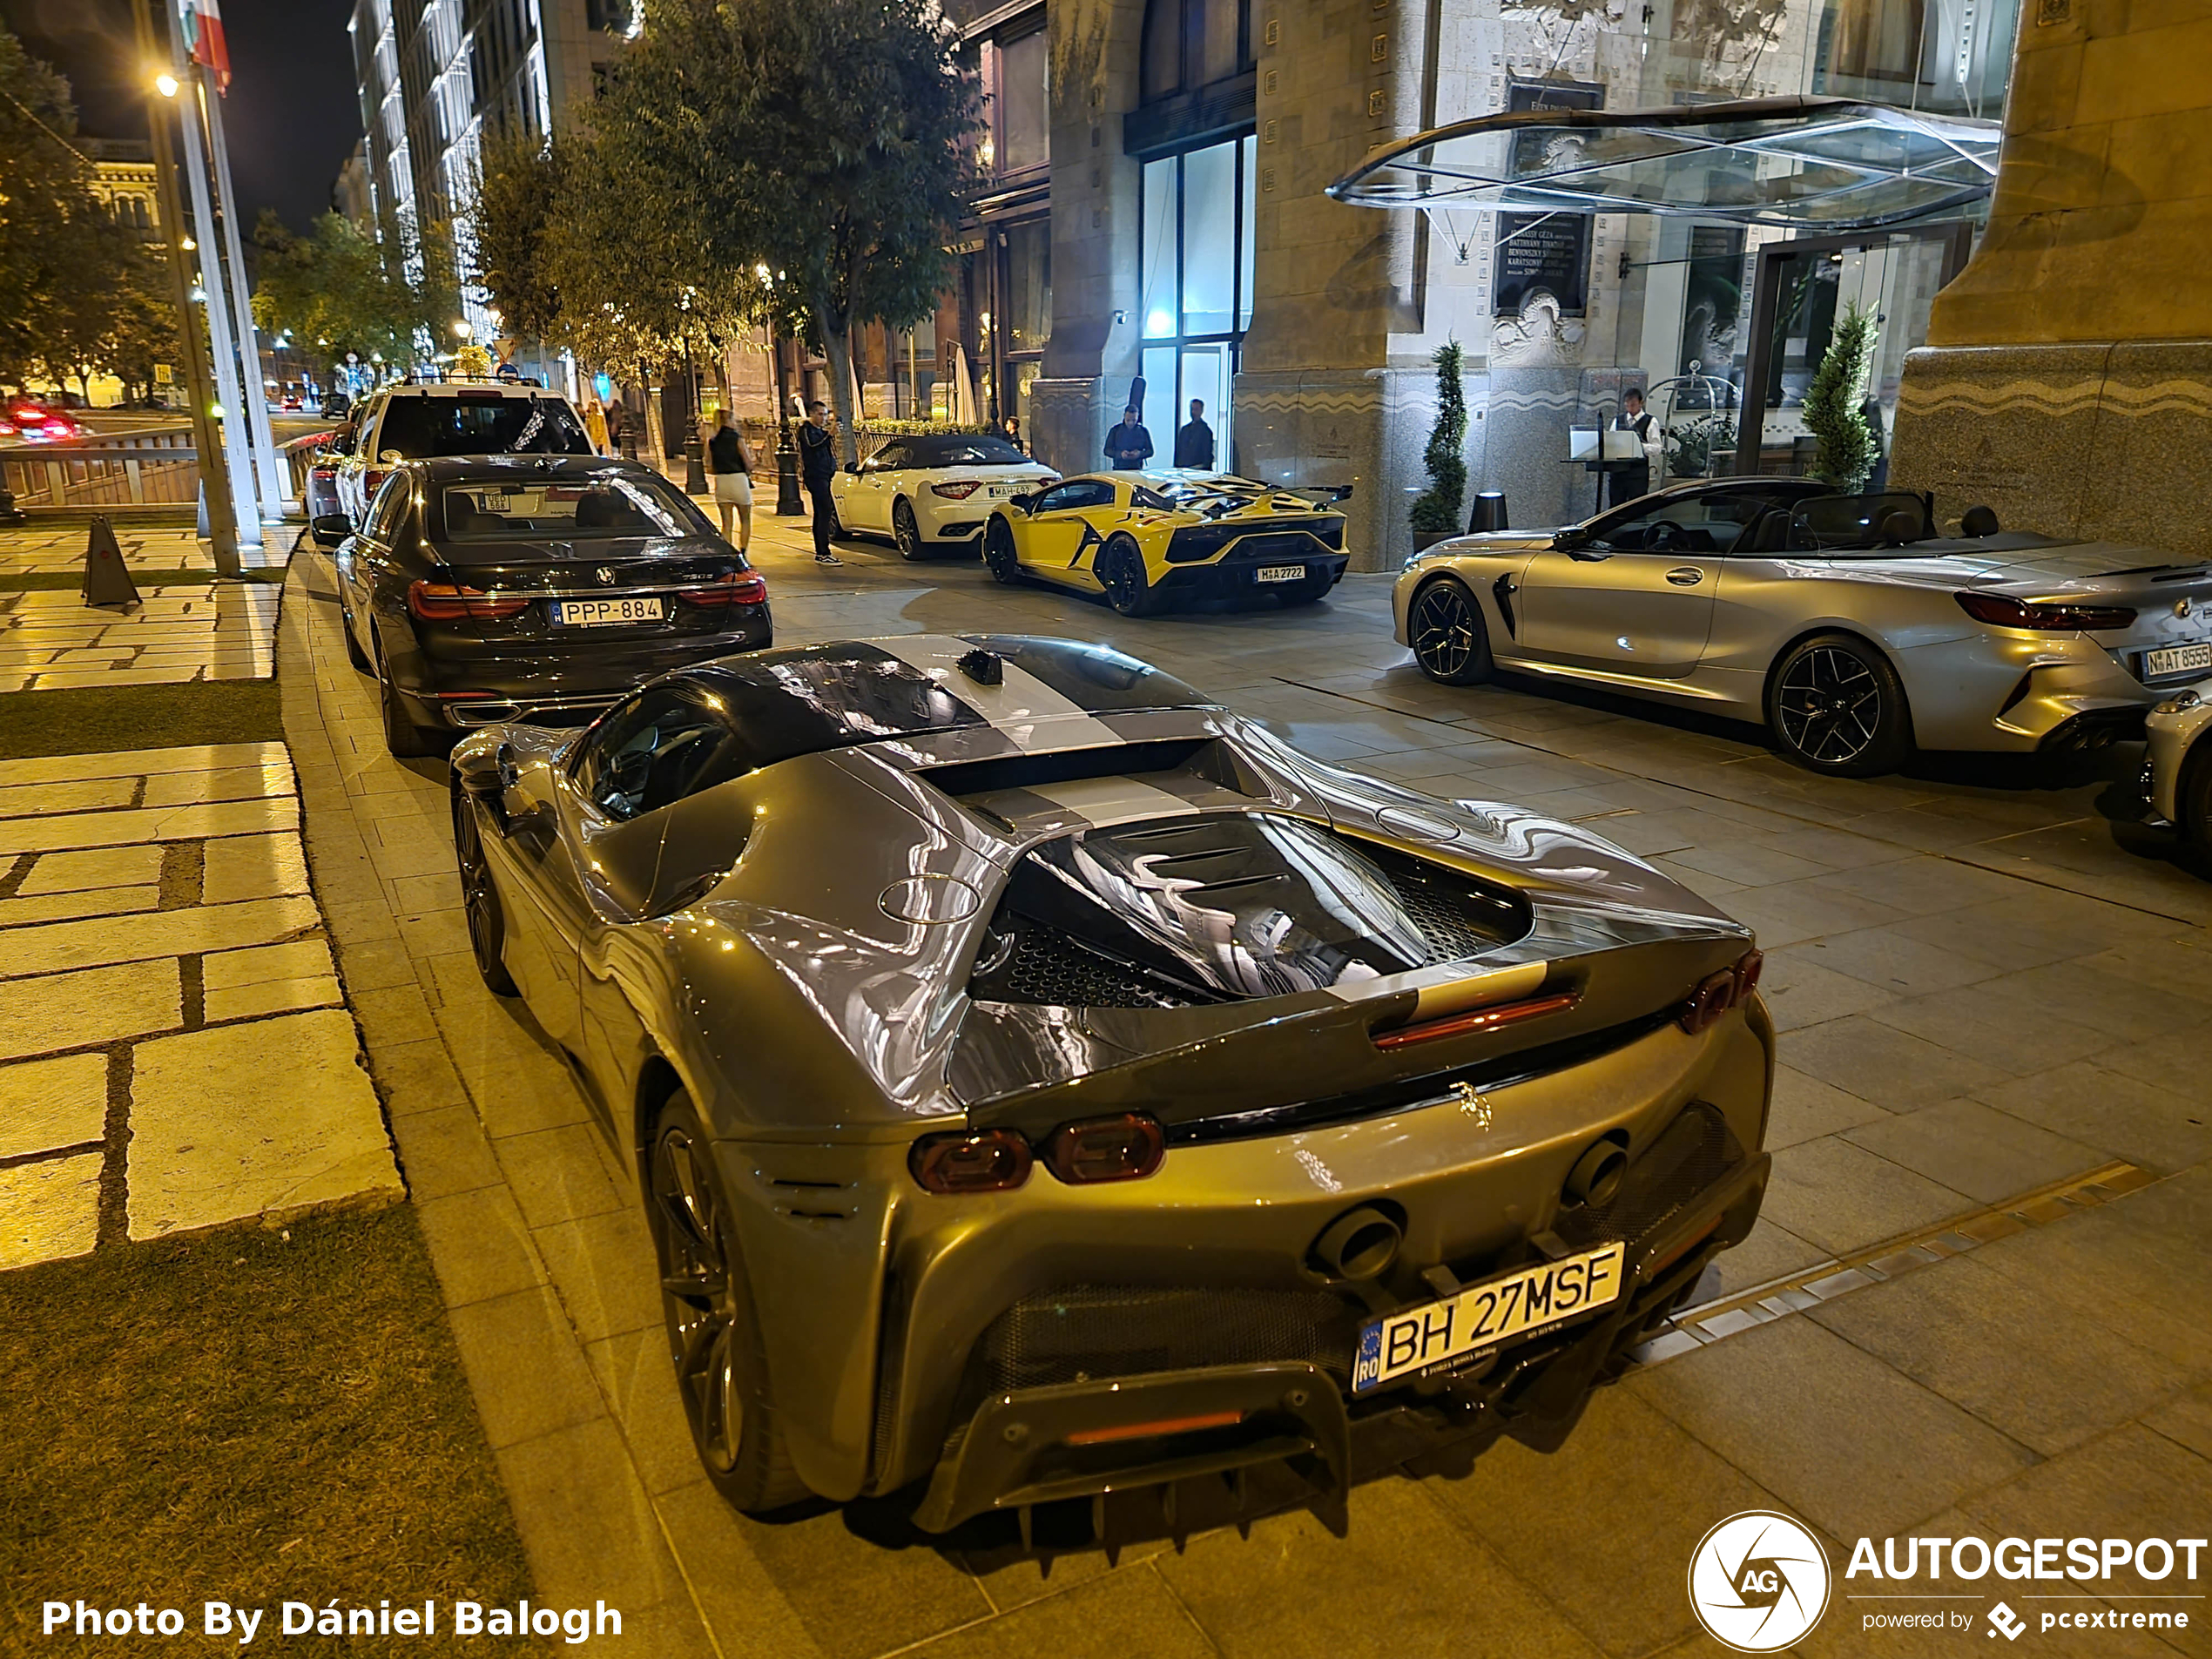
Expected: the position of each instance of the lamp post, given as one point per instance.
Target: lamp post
(787, 499)
(222, 520)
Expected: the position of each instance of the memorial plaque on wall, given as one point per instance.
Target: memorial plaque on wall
(1547, 251)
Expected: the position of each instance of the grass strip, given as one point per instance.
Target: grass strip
(249, 1417)
(97, 719)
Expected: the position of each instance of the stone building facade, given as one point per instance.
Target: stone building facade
(1326, 375)
(2067, 378)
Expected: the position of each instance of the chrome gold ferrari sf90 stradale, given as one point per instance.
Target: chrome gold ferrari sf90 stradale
(1042, 1080)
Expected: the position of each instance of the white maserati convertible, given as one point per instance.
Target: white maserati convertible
(934, 493)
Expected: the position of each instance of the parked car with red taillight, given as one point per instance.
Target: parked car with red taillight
(1042, 1082)
(535, 588)
(934, 493)
(412, 421)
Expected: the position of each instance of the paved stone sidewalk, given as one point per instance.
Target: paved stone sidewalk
(46, 548)
(1970, 1023)
(173, 1049)
(205, 632)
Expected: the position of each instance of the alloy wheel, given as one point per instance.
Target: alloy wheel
(1447, 632)
(904, 531)
(700, 1297)
(999, 553)
(479, 900)
(1829, 706)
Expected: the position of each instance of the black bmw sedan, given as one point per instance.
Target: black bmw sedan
(533, 588)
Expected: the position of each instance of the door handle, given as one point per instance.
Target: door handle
(1685, 576)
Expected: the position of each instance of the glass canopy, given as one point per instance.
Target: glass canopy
(1804, 163)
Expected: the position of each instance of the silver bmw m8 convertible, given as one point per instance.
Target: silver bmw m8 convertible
(1849, 625)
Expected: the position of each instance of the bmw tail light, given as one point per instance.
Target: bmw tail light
(1127, 1148)
(955, 492)
(1999, 611)
(738, 587)
(992, 1160)
(1719, 992)
(446, 601)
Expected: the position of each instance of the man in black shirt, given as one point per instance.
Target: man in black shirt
(1128, 445)
(817, 466)
(1194, 444)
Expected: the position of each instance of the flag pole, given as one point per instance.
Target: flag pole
(238, 431)
(222, 521)
(274, 479)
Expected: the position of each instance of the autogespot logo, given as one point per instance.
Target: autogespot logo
(1759, 1581)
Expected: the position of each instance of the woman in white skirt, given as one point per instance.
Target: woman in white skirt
(729, 466)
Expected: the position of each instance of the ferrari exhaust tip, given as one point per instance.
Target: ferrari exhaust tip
(1360, 1244)
(1597, 1175)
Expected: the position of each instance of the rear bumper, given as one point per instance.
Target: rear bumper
(1239, 578)
(1039, 1445)
(885, 1329)
(460, 684)
(2019, 692)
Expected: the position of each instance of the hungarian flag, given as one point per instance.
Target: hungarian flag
(204, 43)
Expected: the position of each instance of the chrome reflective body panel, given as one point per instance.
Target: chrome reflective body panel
(1706, 628)
(826, 952)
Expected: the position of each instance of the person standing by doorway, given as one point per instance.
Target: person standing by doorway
(817, 466)
(729, 471)
(1194, 442)
(1129, 446)
(1626, 480)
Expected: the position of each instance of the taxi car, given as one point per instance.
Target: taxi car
(1144, 538)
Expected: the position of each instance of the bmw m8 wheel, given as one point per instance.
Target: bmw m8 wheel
(713, 1334)
(1451, 643)
(1121, 572)
(1836, 705)
(479, 900)
(2193, 798)
(999, 553)
(906, 531)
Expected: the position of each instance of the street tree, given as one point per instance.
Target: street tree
(48, 215)
(386, 291)
(828, 142)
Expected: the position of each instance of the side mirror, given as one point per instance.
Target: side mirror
(487, 778)
(391, 455)
(1026, 501)
(330, 529)
(851, 466)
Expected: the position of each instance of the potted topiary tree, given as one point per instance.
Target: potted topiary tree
(1834, 412)
(1435, 514)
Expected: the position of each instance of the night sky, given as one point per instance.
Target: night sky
(294, 111)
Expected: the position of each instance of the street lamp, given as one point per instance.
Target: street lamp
(463, 329)
(165, 85)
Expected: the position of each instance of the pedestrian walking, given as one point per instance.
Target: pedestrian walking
(817, 466)
(595, 426)
(1194, 442)
(1128, 445)
(729, 471)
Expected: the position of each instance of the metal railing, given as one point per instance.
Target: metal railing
(154, 470)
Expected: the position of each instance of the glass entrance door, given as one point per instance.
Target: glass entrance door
(1802, 289)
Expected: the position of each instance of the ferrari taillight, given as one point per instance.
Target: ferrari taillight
(992, 1160)
(446, 601)
(738, 587)
(1127, 1148)
(955, 492)
(1719, 992)
(1124, 1148)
